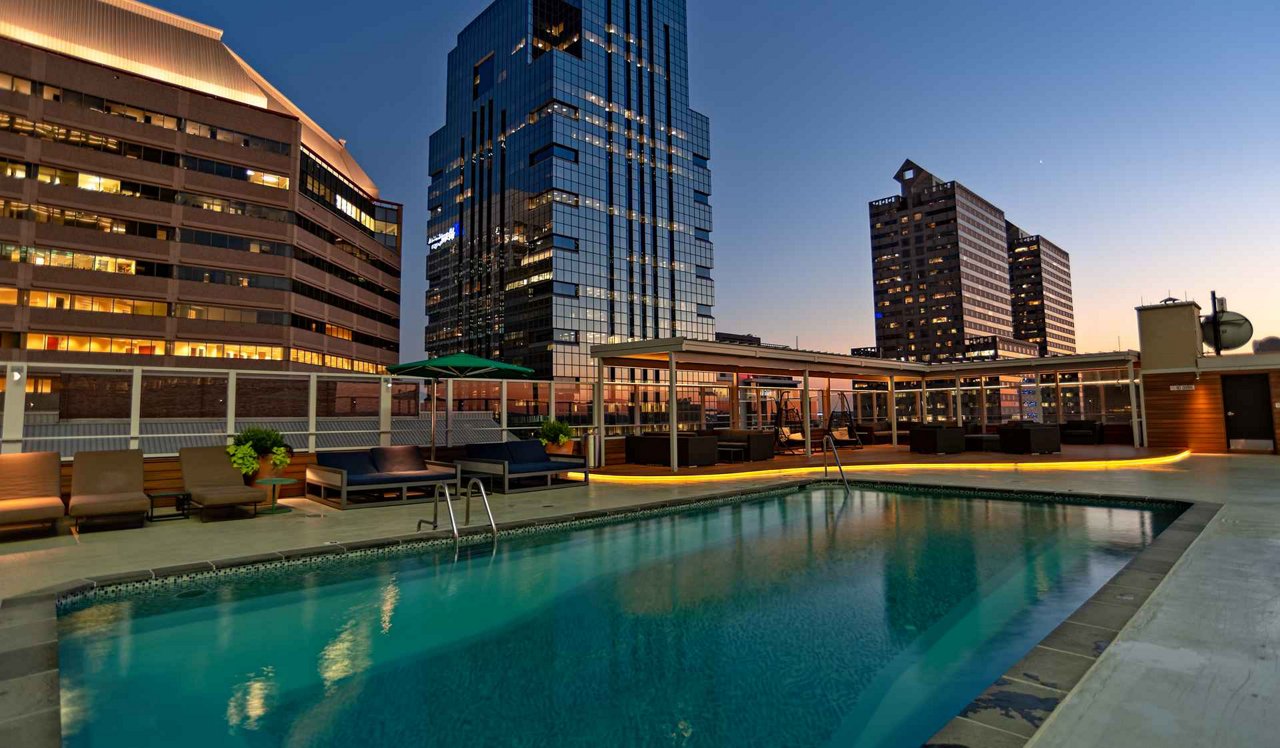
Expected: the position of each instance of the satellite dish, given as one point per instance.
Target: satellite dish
(1235, 330)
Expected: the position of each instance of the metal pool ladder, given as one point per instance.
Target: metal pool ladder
(448, 504)
(829, 448)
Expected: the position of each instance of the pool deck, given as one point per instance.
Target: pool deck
(1197, 665)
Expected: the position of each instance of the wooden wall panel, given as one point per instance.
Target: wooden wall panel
(163, 474)
(1185, 420)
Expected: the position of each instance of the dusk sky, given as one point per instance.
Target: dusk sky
(1142, 137)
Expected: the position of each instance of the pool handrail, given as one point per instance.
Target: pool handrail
(829, 448)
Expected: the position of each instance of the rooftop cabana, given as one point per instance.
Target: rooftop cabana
(879, 389)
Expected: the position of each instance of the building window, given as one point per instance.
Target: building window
(557, 24)
(555, 150)
(701, 198)
(703, 234)
(482, 77)
(702, 271)
(566, 336)
(560, 288)
(84, 303)
(199, 349)
(37, 341)
(701, 161)
(704, 310)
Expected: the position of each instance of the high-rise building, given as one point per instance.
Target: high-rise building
(942, 270)
(162, 203)
(1040, 283)
(570, 186)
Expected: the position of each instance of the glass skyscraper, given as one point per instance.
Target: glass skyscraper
(570, 186)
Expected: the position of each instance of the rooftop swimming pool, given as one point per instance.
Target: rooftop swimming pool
(804, 618)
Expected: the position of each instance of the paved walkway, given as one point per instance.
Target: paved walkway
(1199, 665)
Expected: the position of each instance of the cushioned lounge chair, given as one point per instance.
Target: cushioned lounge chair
(31, 489)
(520, 461)
(376, 473)
(108, 485)
(207, 474)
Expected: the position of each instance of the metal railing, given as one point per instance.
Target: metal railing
(829, 448)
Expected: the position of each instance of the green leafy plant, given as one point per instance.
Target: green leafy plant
(554, 432)
(252, 444)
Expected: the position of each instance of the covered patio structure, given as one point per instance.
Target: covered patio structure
(693, 384)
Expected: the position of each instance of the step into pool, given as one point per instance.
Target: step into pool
(803, 618)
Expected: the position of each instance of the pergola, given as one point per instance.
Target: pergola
(683, 354)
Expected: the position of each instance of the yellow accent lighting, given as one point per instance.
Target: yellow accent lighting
(1028, 467)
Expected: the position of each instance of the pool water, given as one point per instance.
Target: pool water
(800, 619)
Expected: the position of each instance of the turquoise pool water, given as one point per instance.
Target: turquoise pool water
(802, 619)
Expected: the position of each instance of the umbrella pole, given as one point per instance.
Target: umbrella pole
(433, 419)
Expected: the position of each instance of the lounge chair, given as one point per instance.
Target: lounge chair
(207, 474)
(31, 488)
(378, 472)
(108, 484)
(520, 460)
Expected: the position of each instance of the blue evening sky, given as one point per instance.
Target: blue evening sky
(1141, 136)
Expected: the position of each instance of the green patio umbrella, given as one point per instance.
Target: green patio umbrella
(454, 366)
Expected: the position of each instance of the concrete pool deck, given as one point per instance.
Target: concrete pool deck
(1197, 664)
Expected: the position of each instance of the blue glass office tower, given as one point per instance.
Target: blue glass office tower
(570, 186)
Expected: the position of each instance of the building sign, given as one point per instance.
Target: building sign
(1182, 388)
(439, 240)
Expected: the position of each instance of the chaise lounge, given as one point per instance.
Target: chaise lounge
(377, 472)
(31, 489)
(108, 485)
(212, 481)
(519, 461)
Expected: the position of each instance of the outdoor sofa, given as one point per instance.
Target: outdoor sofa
(527, 459)
(757, 445)
(31, 488)
(1026, 437)
(109, 485)
(213, 482)
(379, 471)
(936, 439)
(880, 432)
(1082, 432)
(692, 450)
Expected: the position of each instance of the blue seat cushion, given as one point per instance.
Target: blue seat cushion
(373, 479)
(527, 450)
(432, 472)
(542, 467)
(355, 463)
(397, 459)
(490, 451)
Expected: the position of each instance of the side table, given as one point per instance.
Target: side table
(275, 484)
(181, 505)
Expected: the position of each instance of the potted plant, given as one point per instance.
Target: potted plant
(557, 437)
(259, 453)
